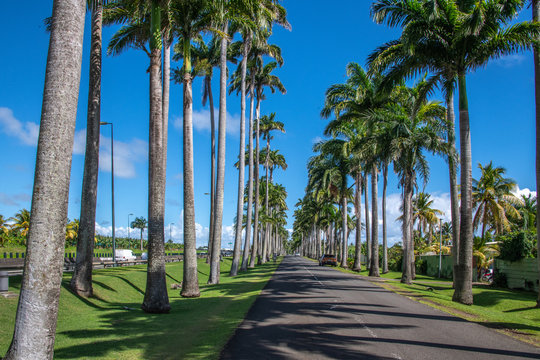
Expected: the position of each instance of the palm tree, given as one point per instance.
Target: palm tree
(247, 33)
(81, 280)
(527, 212)
(425, 214)
(190, 19)
(267, 125)
(260, 15)
(262, 77)
(143, 25)
(449, 39)
(351, 103)
(413, 125)
(4, 230)
(34, 332)
(141, 224)
(332, 167)
(493, 199)
(257, 48)
(206, 58)
(224, 11)
(21, 223)
(484, 253)
(72, 230)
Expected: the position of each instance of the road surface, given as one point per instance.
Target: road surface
(312, 312)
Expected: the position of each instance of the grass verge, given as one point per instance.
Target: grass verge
(111, 325)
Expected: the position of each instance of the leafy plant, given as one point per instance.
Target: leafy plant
(499, 279)
(421, 266)
(517, 245)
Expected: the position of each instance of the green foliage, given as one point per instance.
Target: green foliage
(395, 257)
(499, 279)
(421, 266)
(517, 245)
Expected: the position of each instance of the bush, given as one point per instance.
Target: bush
(421, 266)
(517, 245)
(499, 279)
(395, 257)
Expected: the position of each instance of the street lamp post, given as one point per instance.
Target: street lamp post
(112, 189)
(170, 231)
(129, 226)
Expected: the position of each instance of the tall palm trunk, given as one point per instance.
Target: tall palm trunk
(536, 17)
(81, 281)
(385, 243)
(374, 268)
(368, 225)
(245, 257)
(208, 80)
(220, 180)
(190, 283)
(452, 169)
(358, 211)
(156, 299)
(463, 275)
(406, 276)
(266, 238)
(165, 100)
(257, 183)
(37, 311)
(241, 167)
(344, 229)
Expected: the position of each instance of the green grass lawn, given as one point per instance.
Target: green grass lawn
(111, 325)
(510, 311)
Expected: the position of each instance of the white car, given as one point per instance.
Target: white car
(124, 255)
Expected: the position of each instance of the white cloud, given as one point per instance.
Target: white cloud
(126, 154)
(26, 132)
(201, 121)
(526, 192)
(510, 60)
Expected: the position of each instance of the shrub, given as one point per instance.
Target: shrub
(421, 266)
(395, 257)
(499, 279)
(517, 245)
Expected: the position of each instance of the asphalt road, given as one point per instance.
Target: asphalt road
(312, 312)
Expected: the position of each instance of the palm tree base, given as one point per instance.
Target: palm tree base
(156, 308)
(190, 294)
(81, 288)
(86, 293)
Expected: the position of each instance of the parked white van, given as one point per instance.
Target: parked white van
(124, 255)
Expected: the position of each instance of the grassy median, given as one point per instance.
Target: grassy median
(111, 325)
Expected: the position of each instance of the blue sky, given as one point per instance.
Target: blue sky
(324, 38)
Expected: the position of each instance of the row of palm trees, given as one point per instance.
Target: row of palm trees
(378, 120)
(152, 26)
